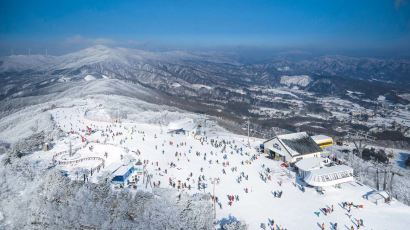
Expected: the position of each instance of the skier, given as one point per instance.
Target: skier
(272, 222)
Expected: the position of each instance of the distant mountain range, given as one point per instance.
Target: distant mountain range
(201, 74)
(201, 68)
(218, 84)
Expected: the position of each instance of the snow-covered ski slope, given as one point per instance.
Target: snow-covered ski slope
(142, 135)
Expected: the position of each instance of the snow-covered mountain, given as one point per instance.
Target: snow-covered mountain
(200, 68)
(155, 69)
(206, 82)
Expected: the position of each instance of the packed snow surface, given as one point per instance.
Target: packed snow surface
(191, 163)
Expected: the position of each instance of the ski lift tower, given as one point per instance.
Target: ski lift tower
(118, 114)
(70, 149)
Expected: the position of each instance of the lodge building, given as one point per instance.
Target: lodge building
(292, 147)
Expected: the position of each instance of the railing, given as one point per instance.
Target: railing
(63, 152)
(76, 161)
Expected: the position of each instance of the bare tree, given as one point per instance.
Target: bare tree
(360, 141)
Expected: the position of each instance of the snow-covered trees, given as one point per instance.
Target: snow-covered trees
(375, 173)
(231, 223)
(32, 198)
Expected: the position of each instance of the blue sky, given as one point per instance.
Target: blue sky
(329, 25)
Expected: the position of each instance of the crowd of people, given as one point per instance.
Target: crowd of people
(328, 210)
(218, 158)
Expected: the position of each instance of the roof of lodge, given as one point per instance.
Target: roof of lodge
(331, 170)
(122, 170)
(310, 163)
(301, 143)
(328, 176)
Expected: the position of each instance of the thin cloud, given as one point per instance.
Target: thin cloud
(80, 40)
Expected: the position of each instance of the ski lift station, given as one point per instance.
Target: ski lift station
(121, 175)
(185, 126)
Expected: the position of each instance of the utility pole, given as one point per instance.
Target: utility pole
(118, 114)
(205, 123)
(148, 181)
(377, 179)
(70, 153)
(391, 180)
(144, 174)
(213, 196)
(249, 144)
